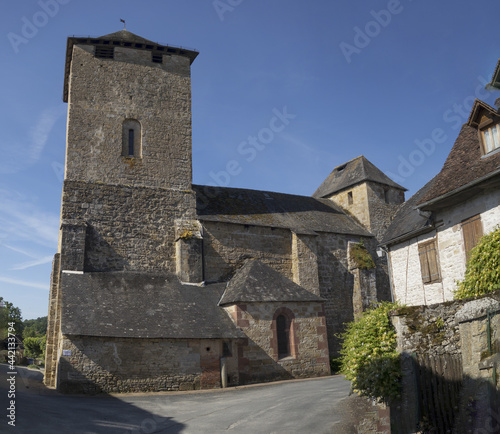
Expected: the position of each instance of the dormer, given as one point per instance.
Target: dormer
(486, 120)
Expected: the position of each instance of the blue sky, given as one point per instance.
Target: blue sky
(392, 80)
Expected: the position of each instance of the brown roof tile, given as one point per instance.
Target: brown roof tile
(463, 165)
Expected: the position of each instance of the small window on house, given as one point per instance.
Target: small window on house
(350, 200)
(104, 52)
(472, 231)
(283, 335)
(131, 142)
(429, 265)
(491, 138)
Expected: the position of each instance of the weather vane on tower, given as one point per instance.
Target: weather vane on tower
(123, 21)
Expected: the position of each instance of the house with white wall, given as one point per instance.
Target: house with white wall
(431, 235)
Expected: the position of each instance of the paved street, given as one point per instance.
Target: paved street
(309, 406)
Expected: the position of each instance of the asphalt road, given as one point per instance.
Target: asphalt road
(307, 406)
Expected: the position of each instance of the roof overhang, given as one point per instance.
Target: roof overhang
(494, 84)
(478, 110)
(467, 191)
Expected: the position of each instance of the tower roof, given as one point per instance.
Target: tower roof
(122, 38)
(351, 173)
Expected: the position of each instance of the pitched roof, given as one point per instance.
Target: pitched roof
(351, 173)
(300, 214)
(256, 282)
(141, 305)
(126, 36)
(464, 166)
(407, 220)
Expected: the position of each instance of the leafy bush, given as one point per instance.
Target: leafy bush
(482, 274)
(369, 357)
(361, 257)
(34, 347)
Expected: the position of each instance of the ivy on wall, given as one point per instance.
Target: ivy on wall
(482, 274)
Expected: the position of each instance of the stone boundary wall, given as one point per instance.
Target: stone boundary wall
(449, 352)
(112, 365)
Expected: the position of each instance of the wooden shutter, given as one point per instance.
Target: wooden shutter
(429, 265)
(472, 230)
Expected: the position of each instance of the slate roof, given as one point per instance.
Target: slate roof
(256, 282)
(351, 173)
(407, 220)
(141, 305)
(126, 36)
(301, 214)
(463, 166)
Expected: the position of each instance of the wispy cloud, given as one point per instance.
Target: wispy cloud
(30, 264)
(19, 156)
(22, 251)
(24, 283)
(23, 220)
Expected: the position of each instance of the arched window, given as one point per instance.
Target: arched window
(131, 138)
(283, 336)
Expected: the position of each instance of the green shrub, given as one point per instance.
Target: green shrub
(369, 357)
(361, 257)
(482, 274)
(34, 347)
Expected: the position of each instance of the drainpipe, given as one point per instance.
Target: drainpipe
(223, 371)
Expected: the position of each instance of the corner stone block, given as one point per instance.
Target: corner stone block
(73, 234)
(189, 251)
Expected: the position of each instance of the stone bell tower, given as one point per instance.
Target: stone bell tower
(129, 111)
(128, 165)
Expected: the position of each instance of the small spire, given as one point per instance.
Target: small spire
(123, 21)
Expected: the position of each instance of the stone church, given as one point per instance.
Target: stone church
(159, 284)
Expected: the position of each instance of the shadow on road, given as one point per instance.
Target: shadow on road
(42, 410)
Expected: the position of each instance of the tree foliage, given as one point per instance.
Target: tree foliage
(368, 355)
(10, 314)
(34, 347)
(35, 327)
(482, 274)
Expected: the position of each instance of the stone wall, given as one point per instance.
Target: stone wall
(383, 201)
(94, 365)
(371, 203)
(227, 245)
(336, 284)
(258, 358)
(104, 93)
(127, 228)
(449, 353)
(356, 207)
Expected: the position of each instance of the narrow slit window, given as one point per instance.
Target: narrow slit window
(130, 142)
(350, 199)
(132, 139)
(283, 332)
